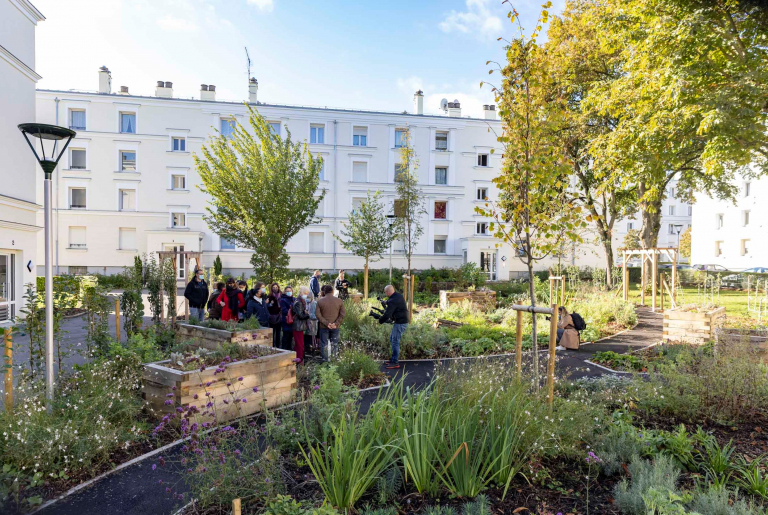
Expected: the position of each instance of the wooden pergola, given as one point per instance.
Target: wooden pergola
(651, 256)
(176, 256)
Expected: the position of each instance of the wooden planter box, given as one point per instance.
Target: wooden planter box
(210, 338)
(756, 338)
(691, 327)
(482, 299)
(274, 375)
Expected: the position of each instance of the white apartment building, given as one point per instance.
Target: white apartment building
(675, 214)
(19, 171)
(732, 234)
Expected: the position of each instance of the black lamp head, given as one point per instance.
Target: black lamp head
(44, 132)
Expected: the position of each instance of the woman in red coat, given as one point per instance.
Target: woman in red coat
(231, 301)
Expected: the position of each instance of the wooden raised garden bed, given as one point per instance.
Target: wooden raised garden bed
(690, 326)
(209, 338)
(757, 339)
(481, 298)
(273, 375)
(356, 297)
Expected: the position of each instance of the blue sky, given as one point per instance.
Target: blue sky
(351, 54)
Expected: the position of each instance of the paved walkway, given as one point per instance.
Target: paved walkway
(135, 489)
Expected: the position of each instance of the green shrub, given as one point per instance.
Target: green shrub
(286, 505)
(379, 511)
(721, 501)
(660, 474)
(355, 365)
(618, 447)
(480, 506)
(440, 510)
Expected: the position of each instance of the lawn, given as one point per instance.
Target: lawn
(735, 301)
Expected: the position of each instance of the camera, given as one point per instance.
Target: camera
(377, 312)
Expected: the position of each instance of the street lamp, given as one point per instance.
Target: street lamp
(44, 133)
(678, 228)
(390, 223)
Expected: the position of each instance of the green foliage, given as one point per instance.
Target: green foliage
(131, 302)
(34, 325)
(410, 201)
(720, 501)
(355, 365)
(664, 502)
(112, 282)
(250, 164)
(752, 477)
(142, 344)
(685, 243)
(480, 506)
(379, 511)
(617, 361)
(631, 240)
(98, 308)
(217, 266)
(286, 505)
(389, 485)
(619, 446)
(249, 324)
(661, 474)
(440, 510)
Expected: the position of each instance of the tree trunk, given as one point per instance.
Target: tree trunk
(608, 246)
(535, 347)
(651, 216)
(365, 280)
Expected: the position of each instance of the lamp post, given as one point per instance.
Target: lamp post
(44, 133)
(678, 228)
(390, 223)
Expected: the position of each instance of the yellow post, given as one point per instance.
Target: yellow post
(236, 508)
(551, 283)
(654, 278)
(405, 287)
(519, 345)
(562, 291)
(117, 319)
(8, 342)
(551, 365)
(365, 282)
(410, 300)
(624, 276)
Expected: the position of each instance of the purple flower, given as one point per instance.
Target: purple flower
(243, 400)
(169, 395)
(208, 383)
(168, 402)
(167, 489)
(592, 458)
(237, 452)
(297, 360)
(255, 389)
(317, 387)
(194, 396)
(154, 466)
(240, 378)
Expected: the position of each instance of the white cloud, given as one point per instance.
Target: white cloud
(477, 20)
(176, 24)
(263, 5)
(410, 85)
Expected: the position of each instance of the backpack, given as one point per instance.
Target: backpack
(578, 323)
(289, 316)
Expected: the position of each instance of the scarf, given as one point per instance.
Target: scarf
(234, 303)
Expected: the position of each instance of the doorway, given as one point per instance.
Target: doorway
(180, 271)
(488, 263)
(7, 287)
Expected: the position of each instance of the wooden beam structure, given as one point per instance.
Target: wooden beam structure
(652, 257)
(176, 256)
(557, 283)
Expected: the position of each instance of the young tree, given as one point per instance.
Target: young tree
(685, 243)
(263, 191)
(536, 212)
(367, 233)
(409, 205)
(631, 240)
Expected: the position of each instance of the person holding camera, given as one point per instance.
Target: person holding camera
(396, 311)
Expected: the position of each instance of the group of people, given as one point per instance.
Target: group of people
(311, 318)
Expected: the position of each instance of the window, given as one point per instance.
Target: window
(441, 141)
(482, 159)
(399, 208)
(744, 247)
(719, 221)
(671, 192)
(357, 204)
(179, 144)
(400, 136)
(690, 210)
(225, 244)
(322, 170)
(360, 136)
(77, 159)
(745, 218)
(317, 242)
(630, 226)
(317, 133)
(227, 127)
(400, 170)
(127, 200)
(77, 237)
(78, 270)
(77, 198)
(274, 128)
(481, 228)
(747, 188)
(179, 182)
(359, 171)
(77, 119)
(179, 219)
(482, 193)
(718, 248)
(128, 123)
(320, 213)
(439, 247)
(441, 210)
(671, 210)
(671, 229)
(127, 238)
(127, 161)
(441, 176)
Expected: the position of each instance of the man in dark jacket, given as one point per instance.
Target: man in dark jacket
(314, 284)
(196, 294)
(397, 312)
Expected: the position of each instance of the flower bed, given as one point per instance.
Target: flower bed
(211, 338)
(478, 298)
(228, 390)
(691, 325)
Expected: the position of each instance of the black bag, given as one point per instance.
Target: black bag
(578, 323)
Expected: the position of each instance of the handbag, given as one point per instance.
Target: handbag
(274, 319)
(289, 317)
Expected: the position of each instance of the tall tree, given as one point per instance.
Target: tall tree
(535, 212)
(263, 191)
(409, 205)
(685, 243)
(367, 234)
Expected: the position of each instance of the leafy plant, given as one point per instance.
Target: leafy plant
(751, 476)
(355, 365)
(480, 506)
(660, 474)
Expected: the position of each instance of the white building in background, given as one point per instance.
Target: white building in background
(732, 234)
(128, 184)
(19, 172)
(675, 213)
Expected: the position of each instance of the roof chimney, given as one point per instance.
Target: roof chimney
(454, 109)
(489, 111)
(124, 90)
(418, 102)
(164, 89)
(207, 92)
(105, 81)
(253, 90)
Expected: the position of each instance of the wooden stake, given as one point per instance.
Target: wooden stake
(642, 280)
(551, 365)
(410, 301)
(236, 509)
(654, 278)
(8, 342)
(117, 319)
(405, 287)
(365, 282)
(674, 278)
(562, 291)
(551, 283)
(625, 277)
(662, 282)
(186, 309)
(519, 346)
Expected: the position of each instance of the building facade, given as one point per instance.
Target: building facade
(732, 234)
(19, 171)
